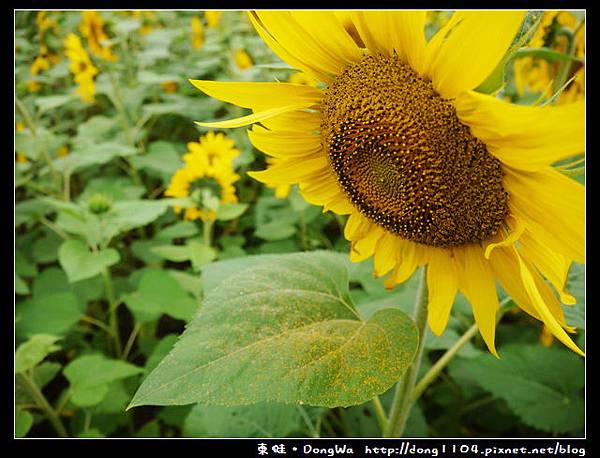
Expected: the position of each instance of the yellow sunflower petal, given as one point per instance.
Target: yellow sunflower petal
(298, 43)
(506, 269)
(384, 259)
(388, 31)
(323, 189)
(549, 297)
(472, 49)
(356, 226)
(295, 121)
(433, 45)
(284, 145)
(551, 206)
(283, 53)
(340, 205)
(365, 247)
(442, 285)
(406, 264)
(537, 300)
(260, 95)
(325, 29)
(522, 136)
(320, 189)
(517, 229)
(553, 266)
(476, 282)
(291, 171)
(373, 29)
(249, 119)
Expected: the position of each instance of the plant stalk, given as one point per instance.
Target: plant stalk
(402, 402)
(380, 413)
(435, 370)
(207, 226)
(441, 363)
(43, 404)
(113, 321)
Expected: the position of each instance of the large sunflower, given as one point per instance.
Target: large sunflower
(430, 172)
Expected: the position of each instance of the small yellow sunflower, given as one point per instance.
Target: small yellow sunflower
(213, 18)
(431, 172)
(20, 157)
(43, 22)
(208, 164)
(92, 28)
(242, 59)
(147, 19)
(63, 151)
(170, 87)
(82, 68)
(303, 78)
(197, 33)
(42, 62)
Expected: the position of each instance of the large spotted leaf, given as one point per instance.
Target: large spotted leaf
(283, 329)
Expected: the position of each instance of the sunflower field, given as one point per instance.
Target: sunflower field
(322, 224)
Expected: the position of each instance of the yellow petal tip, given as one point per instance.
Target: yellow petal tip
(203, 124)
(567, 299)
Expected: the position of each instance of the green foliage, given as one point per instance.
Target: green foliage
(32, 352)
(23, 422)
(79, 263)
(90, 377)
(54, 313)
(159, 293)
(543, 386)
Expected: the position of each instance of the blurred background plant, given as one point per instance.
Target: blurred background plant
(123, 205)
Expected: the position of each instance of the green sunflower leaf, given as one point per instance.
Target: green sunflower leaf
(90, 377)
(49, 314)
(200, 254)
(543, 386)
(80, 263)
(23, 422)
(32, 352)
(275, 230)
(159, 293)
(283, 331)
(231, 211)
(182, 229)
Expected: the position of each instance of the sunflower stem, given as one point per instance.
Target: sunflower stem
(43, 404)
(440, 364)
(403, 402)
(380, 413)
(113, 320)
(207, 232)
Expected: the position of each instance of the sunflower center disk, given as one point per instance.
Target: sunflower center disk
(405, 160)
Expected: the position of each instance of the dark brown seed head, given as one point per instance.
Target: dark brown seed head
(405, 160)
